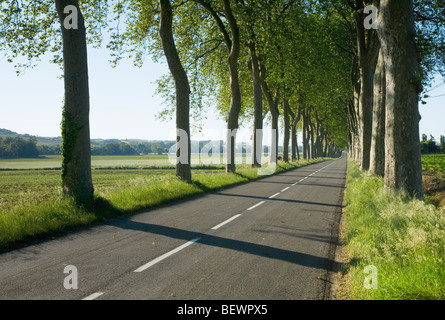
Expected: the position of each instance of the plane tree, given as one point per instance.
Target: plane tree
(61, 29)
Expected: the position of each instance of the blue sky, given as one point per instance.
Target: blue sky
(123, 104)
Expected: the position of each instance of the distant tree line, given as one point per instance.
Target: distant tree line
(431, 146)
(131, 148)
(19, 147)
(16, 147)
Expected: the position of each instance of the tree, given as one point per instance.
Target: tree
(32, 28)
(403, 85)
(76, 149)
(377, 153)
(183, 169)
(368, 48)
(442, 144)
(231, 38)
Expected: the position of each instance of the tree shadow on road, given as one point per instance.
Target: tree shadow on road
(260, 250)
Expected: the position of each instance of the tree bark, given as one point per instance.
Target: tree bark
(257, 136)
(286, 124)
(76, 148)
(294, 142)
(235, 103)
(183, 168)
(396, 29)
(274, 113)
(305, 134)
(368, 49)
(377, 154)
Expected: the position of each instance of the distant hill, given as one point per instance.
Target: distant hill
(6, 132)
(58, 140)
(40, 140)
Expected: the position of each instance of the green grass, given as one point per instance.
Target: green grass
(433, 162)
(31, 205)
(403, 238)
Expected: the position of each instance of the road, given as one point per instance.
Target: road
(271, 239)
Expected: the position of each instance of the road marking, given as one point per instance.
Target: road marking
(225, 222)
(166, 255)
(285, 189)
(253, 207)
(274, 195)
(93, 296)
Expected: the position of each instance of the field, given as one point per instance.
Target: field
(31, 205)
(54, 162)
(433, 166)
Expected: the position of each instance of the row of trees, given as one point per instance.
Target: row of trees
(392, 66)
(17, 147)
(306, 65)
(431, 145)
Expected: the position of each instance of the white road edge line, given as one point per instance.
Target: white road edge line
(253, 207)
(285, 189)
(225, 222)
(93, 296)
(273, 196)
(166, 255)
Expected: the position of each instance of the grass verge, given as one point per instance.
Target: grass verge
(403, 239)
(34, 217)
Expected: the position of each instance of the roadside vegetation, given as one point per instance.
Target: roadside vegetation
(404, 238)
(32, 205)
(434, 178)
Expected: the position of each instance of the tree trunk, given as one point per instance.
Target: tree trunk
(294, 142)
(377, 154)
(274, 113)
(273, 156)
(357, 155)
(183, 169)
(368, 49)
(286, 123)
(311, 138)
(305, 135)
(257, 137)
(76, 148)
(403, 168)
(365, 111)
(235, 103)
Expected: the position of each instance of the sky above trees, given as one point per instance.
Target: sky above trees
(123, 101)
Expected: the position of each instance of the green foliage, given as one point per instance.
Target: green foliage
(434, 162)
(430, 145)
(30, 29)
(430, 28)
(17, 147)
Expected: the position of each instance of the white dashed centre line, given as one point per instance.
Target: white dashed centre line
(225, 222)
(166, 255)
(93, 296)
(257, 205)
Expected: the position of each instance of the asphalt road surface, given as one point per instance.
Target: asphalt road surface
(271, 239)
